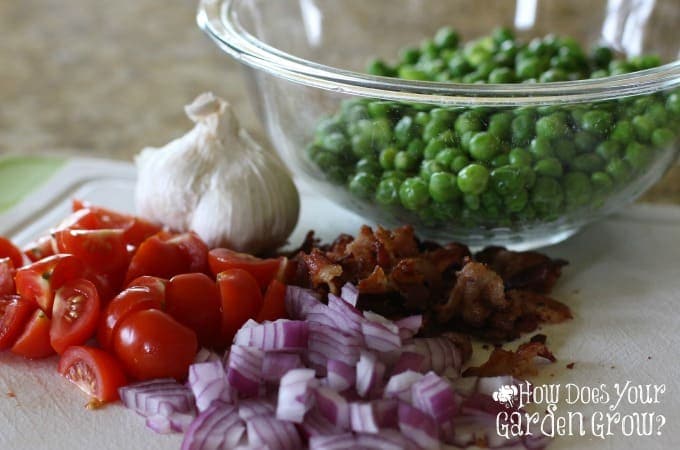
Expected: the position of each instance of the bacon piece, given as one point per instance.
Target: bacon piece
(321, 270)
(523, 270)
(520, 363)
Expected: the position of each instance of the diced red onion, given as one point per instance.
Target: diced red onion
(379, 333)
(435, 396)
(255, 407)
(370, 373)
(295, 395)
(345, 314)
(273, 433)
(399, 386)
(409, 326)
(320, 314)
(317, 425)
(208, 382)
(170, 423)
(440, 354)
(371, 417)
(218, 427)
(339, 375)
(409, 361)
(350, 294)
(299, 301)
(276, 364)
(387, 440)
(325, 341)
(285, 335)
(343, 441)
(245, 369)
(158, 397)
(332, 406)
(418, 426)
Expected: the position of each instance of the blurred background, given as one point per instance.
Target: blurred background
(99, 78)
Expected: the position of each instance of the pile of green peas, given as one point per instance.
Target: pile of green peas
(494, 166)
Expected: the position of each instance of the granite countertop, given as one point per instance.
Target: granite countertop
(109, 78)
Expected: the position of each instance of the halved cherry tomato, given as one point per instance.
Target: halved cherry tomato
(83, 219)
(166, 255)
(241, 300)
(151, 344)
(94, 371)
(132, 299)
(101, 250)
(264, 270)
(274, 305)
(34, 342)
(6, 276)
(156, 284)
(194, 301)
(14, 313)
(39, 281)
(75, 314)
(9, 250)
(136, 230)
(39, 249)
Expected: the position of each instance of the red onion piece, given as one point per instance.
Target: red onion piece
(435, 396)
(418, 427)
(387, 439)
(339, 375)
(325, 341)
(299, 301)
(350, 294)
(379, 333)
(347, 316)
(316, 425)
(276, 364)
(399, 386)
(370, 373)
(295, 395)
(251, 407)
(218, 427)
(441, 354)
(285, 335)
(371, 417)
(409, 361)
(208, 382)
(158, 397)
(332, 406)
(245, 369)
(272, 433)
(343, 441)
(409, 326)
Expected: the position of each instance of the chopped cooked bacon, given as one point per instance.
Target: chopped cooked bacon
(321, 270)
(544, 308)
(523, 270)
(519, 363)
(376, 283)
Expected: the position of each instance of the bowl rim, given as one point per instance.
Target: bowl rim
(219, 20)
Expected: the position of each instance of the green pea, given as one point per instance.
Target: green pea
(618, 169)
(644, 127)
(549, 167)
(459, 162)
(369, 165)
(523, 128)
(380, 68)
(428, 50)
(577, 188)
(547, 195)
(484, 146)
(601, 182)
(328, 126)
(387, 192)
(336, 143)
(428, 168)
(415, 149)
(386, 158)
(638, 155)
(433, 148)
(500, 125)
(564, 150)
(414, 193)
(468, 121)
(640, 105)
(410, 55)
(473, 179)
(500, 160)
(362, 145)
(443, 187)
(379, 109)
(602, 56)
(587, 162)
(445, 156)
(363, 184)
(446, 37)
(529, 68)
(422, 118)
(459, 66)
(585, 141)
(502, 34)
(552, 127)
(662, 138)
(516, 201)
(657, 113)
(617, 67)
(394, 174)
(405, 129)
(412, 73)
(553, 75)
(404, 161)
(502, 75)
(434, 128)
(673, 103)
(608, 150)
(507, 179)
(472, 201)
(541, 148)
(354, 112)
(520, 157)
(623, 132)
(597, 122)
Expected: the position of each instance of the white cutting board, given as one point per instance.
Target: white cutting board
(623, 285)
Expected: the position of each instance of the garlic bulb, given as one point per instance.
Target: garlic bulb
(217, 181)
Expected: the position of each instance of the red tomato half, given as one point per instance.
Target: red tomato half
(75, 314)
(34, 342)
(94, 371)
(157, 285)
(136, 230)
(101, 250)
(132, 299)
(14, 314)
(151, 344)
(6, 276)
(39, 281)
(274, 305)
(241, 300)
(264, 270)
(9, 250)
(39, 249)
(194, 301)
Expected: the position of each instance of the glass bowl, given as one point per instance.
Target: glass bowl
(564, 153)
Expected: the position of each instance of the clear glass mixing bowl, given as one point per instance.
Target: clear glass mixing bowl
(305, 63)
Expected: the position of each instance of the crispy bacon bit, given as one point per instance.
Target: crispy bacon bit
(523, 270)
(520, 363)
(571, 365)
(375, 283)
(542, 308)
(321, 270)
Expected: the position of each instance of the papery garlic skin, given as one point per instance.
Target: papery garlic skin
(217, 181)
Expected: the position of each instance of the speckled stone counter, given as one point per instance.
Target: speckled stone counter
(108, 78)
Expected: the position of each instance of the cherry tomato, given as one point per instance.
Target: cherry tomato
(274, 305)
(264, 270)
(75, 314)
(135, 229)
(34, 342)
(9, 250)
(39, 249)
(241, 300)
(132, 299)
(14, 314)
(82, 219)
(38, 282)
(166, 255)
(6, 276)
(158, 285)
(194, 301)
(151, 344)
(94, 371)
(101, 250)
